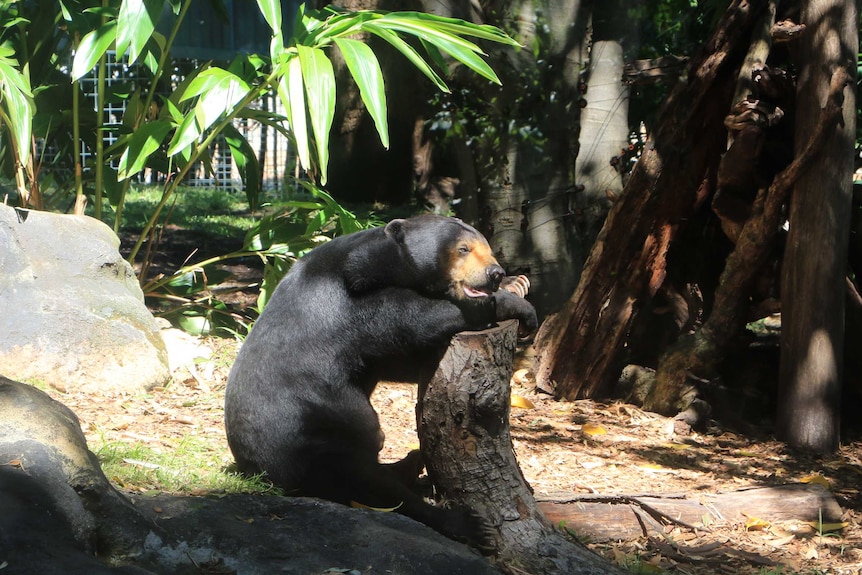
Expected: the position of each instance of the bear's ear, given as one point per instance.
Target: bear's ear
(395, 230)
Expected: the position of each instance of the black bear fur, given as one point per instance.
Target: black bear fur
(376, 304)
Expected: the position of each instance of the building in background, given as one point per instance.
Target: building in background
(206, 36)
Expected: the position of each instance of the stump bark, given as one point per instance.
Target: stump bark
(463, 425)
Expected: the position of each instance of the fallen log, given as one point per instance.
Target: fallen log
(604, 518)
(463, 425)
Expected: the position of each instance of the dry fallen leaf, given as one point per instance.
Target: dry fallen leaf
(523, 377)
(593, 429)
(782, 541)
(827, 527)
(357, 505)
(655, 468)
(522, 402)
(756, 524)
(818, 479)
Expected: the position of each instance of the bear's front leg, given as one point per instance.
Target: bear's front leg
(509, 305)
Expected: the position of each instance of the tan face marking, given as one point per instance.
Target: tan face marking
(470, 260)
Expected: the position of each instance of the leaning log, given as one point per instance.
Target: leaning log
(463, 425)
(698, 354)
(580, 352)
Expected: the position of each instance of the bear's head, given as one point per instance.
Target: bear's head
(447, 256)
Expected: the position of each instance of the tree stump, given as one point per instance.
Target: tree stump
(463, 425)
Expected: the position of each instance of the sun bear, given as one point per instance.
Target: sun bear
(363, 307)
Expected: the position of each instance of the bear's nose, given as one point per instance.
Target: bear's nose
(495, 275)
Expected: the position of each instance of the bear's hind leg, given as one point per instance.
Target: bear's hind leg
(352, 479)
(408, 469)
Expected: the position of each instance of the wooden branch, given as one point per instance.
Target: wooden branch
(463, 425)
(758, 52)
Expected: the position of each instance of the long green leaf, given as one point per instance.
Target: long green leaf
(468, 58)
(267, 118)
(203, 82)
(220, 91)
(365, 69)
(136, 24)
(296, 98)
(462, 50)
(337, 26)
(17, 100)
(425, 31)
(93, 45)
(319, 80)
(187, 134)
(458, 27)
(246, 162)
(409, 52)
(142, 144)
(271, 10)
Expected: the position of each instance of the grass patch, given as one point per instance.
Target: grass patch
(191, 466)
(219, 213)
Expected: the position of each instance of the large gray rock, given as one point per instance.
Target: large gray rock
(71, 310)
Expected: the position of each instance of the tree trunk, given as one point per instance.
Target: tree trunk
(604, 122)
(523, 203)
(360, 168)
(815, 258)
(463, 425)
(580, 352)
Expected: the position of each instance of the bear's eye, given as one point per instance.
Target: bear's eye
(463, 250)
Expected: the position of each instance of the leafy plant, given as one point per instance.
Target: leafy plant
(16, 111)
(174, 132)
(204, 106)
(278, 238)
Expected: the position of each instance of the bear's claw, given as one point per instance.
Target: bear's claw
(518, 285)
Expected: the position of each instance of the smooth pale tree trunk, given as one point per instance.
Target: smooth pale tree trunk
(604, 122)
(812, 287)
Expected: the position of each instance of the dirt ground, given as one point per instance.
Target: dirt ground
(579, 447)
